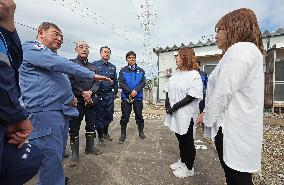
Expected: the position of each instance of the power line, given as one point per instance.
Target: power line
(65, 39)
(145, 16)
(86, 13)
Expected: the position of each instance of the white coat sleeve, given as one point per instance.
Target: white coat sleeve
(195, 87)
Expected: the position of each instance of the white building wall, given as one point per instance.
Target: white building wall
(167, 60)
(276, 40)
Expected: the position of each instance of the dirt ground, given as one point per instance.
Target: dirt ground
(146, 162)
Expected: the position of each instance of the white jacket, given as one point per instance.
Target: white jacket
(181, 84)
(234, 101)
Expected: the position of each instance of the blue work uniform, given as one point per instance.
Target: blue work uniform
(79, 85)
(104, 104)
(47, 95)
(17, 166)
(204, 79)
(132, 78)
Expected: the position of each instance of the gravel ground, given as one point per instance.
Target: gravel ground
(273, 115)
(272, 172)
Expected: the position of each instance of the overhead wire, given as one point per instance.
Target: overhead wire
(91, 46)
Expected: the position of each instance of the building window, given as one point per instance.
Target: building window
(279, 81)
(279, 70)
(208, 68)
(279, 92)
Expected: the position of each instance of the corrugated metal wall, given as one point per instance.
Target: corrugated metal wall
(268, 90)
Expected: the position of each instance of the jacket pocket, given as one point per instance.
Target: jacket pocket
(40, 133)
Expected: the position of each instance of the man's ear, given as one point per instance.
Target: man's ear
(40, 33)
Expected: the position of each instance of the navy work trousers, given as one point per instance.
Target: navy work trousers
(126, 109)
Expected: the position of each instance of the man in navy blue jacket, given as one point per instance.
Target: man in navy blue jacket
(105, 95)
(204, 78)
(131, 81)
(19, 161)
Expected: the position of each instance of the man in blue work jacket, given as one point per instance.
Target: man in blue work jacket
(204, 78)
(104, 106)
(19, 161)
(131, 81)
(48, 97)
(84, 90)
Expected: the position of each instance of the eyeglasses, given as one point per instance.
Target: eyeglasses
(83, 47)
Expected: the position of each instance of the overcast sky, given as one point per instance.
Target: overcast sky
(125, 25)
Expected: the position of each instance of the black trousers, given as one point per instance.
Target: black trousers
(75, 122)
(126, 109)
(186, 147)
(233, 177)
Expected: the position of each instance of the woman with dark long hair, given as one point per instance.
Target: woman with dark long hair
(233, 113)
(183, 94)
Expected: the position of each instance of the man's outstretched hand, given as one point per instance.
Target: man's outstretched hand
(100, 77)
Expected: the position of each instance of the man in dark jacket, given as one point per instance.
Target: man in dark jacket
(131, 81)
(84, 90)
(19, 161)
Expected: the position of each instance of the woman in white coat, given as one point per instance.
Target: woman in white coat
(183, 94)
(233, 112)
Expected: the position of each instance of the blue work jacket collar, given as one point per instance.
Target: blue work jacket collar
(54, 51)
(104, 62)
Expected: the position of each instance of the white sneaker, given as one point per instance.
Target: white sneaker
(177, 165)
(183, 172)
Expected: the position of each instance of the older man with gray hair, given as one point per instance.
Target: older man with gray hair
(84, 90)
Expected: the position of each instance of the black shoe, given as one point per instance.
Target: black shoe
(122, 139)
(142, 135)
(122, 134)
(101, 142)
(140, 130)
(66, 180)
(107, 137)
